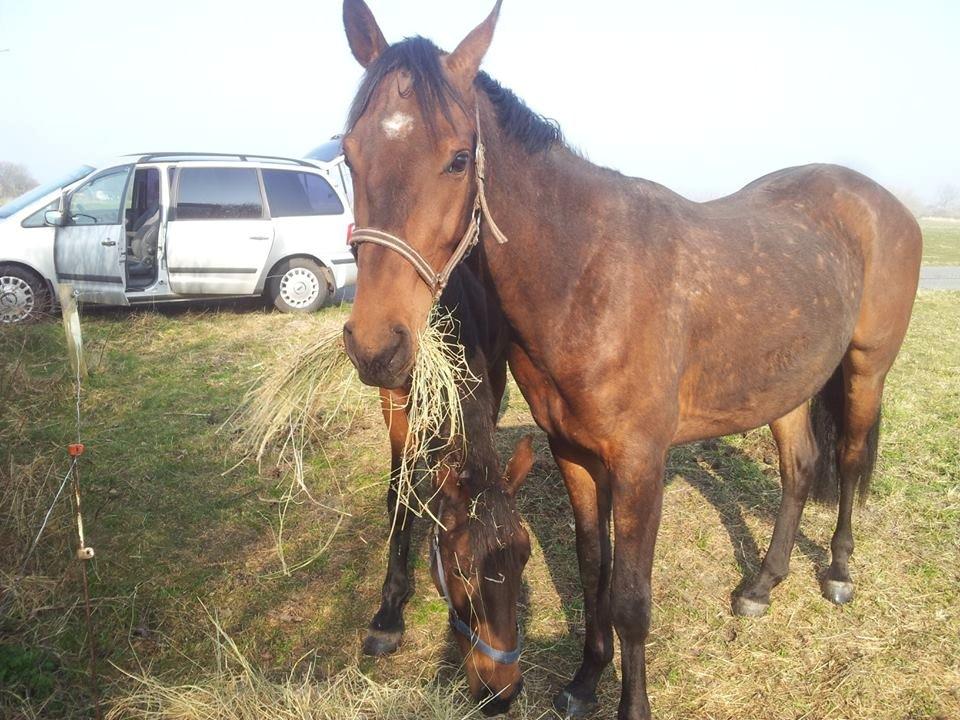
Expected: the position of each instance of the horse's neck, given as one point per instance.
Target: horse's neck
(531, 198)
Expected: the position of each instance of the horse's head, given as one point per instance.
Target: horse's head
(410, 145)
(478, 557)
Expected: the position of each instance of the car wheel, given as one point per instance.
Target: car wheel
(24, 297)
(298, 285)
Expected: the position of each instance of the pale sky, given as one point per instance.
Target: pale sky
(700, 96)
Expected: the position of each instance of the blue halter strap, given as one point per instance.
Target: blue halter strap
(502, 657)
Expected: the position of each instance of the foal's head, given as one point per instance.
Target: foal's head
(482, 549)
(410, 145)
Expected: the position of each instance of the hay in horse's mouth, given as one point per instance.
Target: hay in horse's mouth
(439, 381)
(314, 393)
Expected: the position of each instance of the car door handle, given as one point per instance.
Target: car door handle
(259, 237)
(109, 243)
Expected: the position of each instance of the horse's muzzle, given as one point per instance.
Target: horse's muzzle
(387, 364)
(499, 705)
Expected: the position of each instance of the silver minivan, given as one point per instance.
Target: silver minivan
(158, 227)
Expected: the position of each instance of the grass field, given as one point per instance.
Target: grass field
(941, 241)
(182, 538)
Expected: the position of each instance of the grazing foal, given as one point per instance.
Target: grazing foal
(638, 319)
(481, 545)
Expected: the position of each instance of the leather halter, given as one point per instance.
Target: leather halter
(437, 281)
(502, 657)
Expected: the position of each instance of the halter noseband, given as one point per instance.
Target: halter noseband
(503, 657)
(437, 281)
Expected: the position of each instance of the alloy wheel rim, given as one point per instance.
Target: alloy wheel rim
(299, 287)
(17, 299)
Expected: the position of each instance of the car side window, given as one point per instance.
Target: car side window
(35, 220)
(292, 193)
(219, 194)
(100, 201)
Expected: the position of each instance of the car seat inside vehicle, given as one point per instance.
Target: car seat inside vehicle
(143, 228)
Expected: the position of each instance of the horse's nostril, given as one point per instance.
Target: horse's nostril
(401, 330)
(348, 328)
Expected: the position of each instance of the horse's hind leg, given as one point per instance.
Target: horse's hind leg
(798, 454)
(863, 385)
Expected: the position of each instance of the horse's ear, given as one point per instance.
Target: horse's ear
(366, 40)
(464, 62)
(519, 465)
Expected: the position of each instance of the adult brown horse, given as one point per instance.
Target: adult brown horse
(479, 546)
(639, 319)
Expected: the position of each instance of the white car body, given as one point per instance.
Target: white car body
(196, 249)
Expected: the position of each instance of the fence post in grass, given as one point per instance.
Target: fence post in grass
(71, 326)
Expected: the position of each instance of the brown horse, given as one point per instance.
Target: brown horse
(638, 319)
(479, 547)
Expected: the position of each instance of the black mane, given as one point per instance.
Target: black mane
(421, 59)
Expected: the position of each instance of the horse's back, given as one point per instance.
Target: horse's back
(779, 279)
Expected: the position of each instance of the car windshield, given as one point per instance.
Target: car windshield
(31, 196)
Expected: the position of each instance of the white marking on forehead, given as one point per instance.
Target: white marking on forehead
(398, 126)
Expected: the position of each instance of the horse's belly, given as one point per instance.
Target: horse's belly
(763, 353)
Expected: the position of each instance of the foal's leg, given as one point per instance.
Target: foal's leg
(856, 453)
(588, 487)
(386, 628)
(798, 455)
(637, 485)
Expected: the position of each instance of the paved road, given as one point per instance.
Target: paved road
(940, 277)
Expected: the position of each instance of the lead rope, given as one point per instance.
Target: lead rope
(84, 553)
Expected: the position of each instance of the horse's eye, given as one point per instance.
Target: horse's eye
(459, 164)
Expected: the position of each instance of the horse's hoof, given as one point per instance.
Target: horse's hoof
(745, 607)
(570, 706)
(381, 642)
(839, 592)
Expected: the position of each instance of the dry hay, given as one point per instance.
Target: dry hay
(312, 395)
(237, 690)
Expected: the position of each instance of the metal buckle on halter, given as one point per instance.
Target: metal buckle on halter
(502, 657)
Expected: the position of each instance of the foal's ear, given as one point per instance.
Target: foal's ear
(364, 35)
(464, 62)
(519, 465)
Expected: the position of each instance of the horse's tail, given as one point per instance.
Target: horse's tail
(827, 418)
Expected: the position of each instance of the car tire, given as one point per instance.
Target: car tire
(24, 296)
(298, 285)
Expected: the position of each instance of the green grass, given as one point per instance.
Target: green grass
(173, 526)
(941, 241)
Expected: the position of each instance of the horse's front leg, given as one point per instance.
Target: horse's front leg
(637, 487)
(588, 486)
(386, 628)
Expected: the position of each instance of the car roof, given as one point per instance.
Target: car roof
(168, 156)
(327, 152)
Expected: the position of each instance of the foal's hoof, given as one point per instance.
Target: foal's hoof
(745, 607)
(839, 592)
(570, 706)
(381, 642)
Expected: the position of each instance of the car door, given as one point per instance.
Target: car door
(219, 234)
(89, 246)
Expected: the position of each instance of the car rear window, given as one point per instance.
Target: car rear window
(291, 193)
(219, 194)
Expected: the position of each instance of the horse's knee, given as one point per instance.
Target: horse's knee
(630, 611)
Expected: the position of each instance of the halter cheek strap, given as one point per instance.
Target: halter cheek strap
(437, 281)
(502, 657)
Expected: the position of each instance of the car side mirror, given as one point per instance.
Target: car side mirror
(54, 217)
